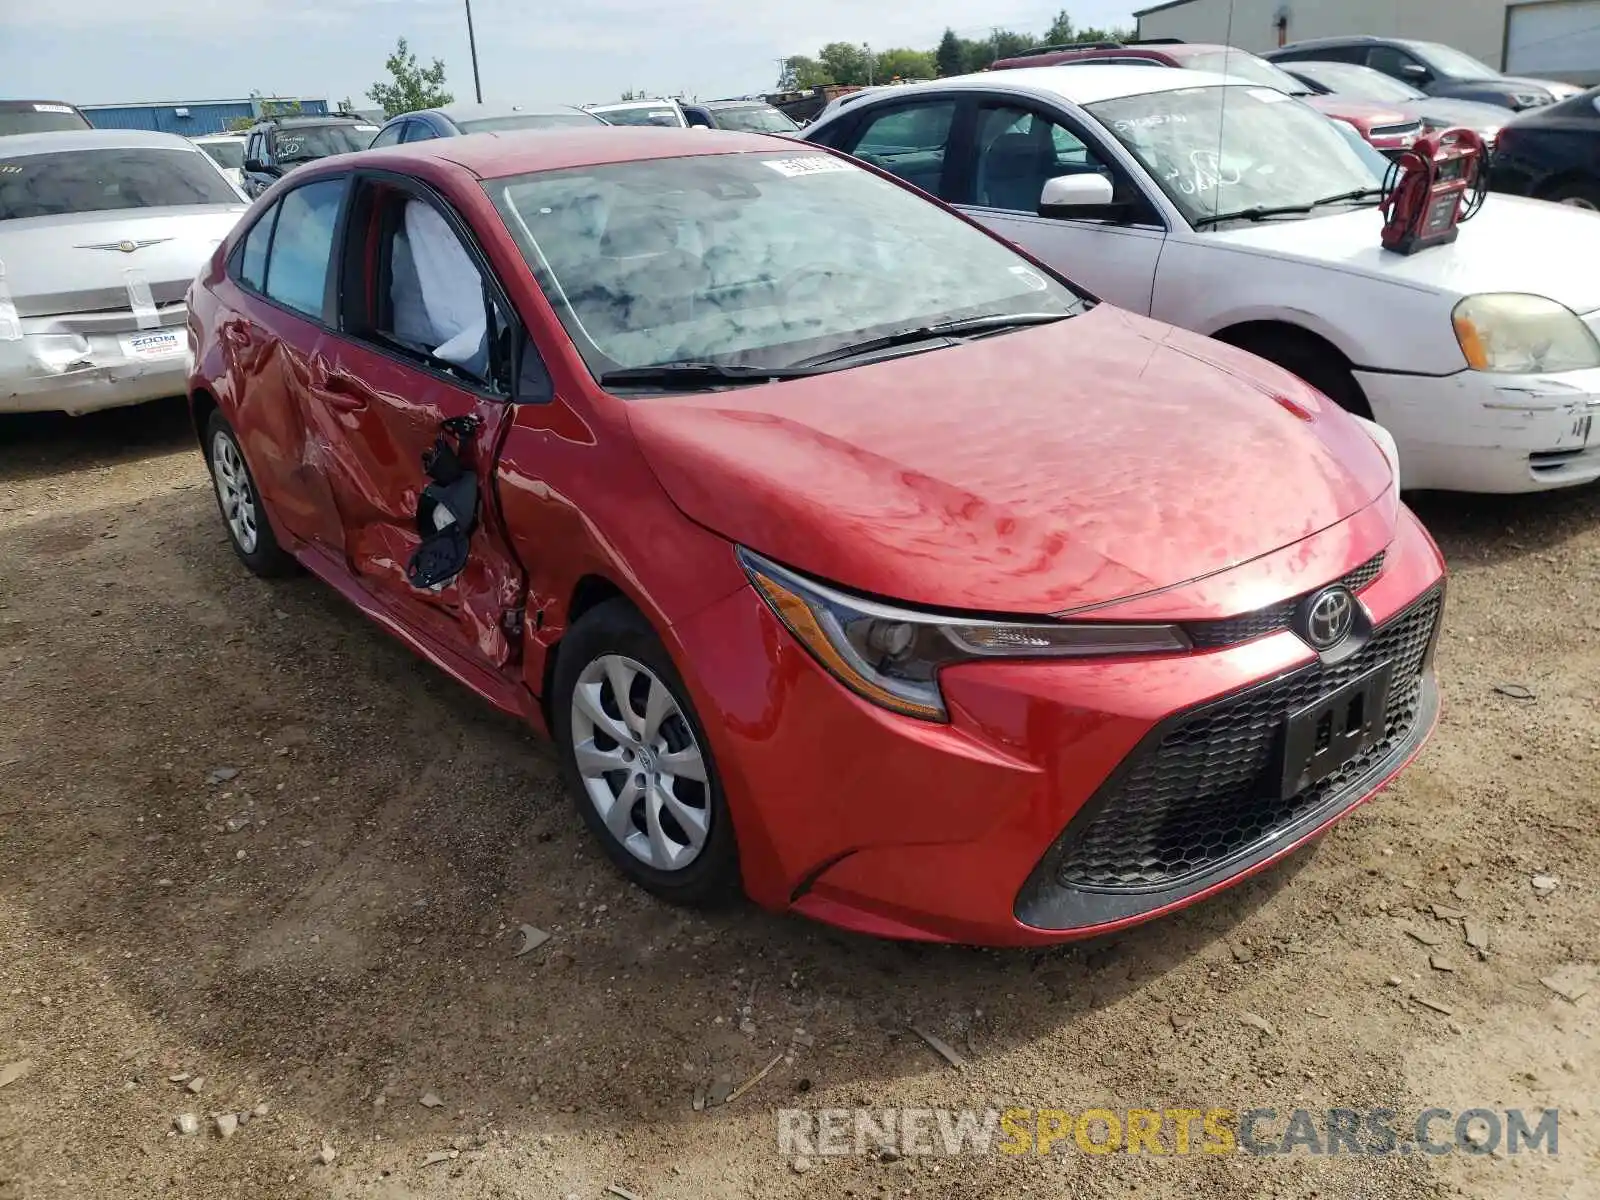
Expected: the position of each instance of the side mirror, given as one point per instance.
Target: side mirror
(1415, 71)
(1077, 196)
(254, 166)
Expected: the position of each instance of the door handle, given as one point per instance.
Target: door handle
(337, 389)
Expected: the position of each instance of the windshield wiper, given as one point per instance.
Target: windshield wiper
(697, 375)
(1287, 210)
(1342, 197)
(966, 327)
(1254, 214)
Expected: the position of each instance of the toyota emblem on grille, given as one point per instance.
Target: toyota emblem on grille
(1328, 617)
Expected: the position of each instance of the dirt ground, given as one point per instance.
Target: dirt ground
(330, 931)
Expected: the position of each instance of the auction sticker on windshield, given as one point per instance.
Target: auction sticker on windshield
(161, 343)
(811, 164)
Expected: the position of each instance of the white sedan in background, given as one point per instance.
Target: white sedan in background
(1238, 212)
(227, 151)
(101, 233)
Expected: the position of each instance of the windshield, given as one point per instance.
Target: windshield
(753, 260)
(557, 120)
(1363, 83)
(1447, 60)
(303, 143)
(38, 116)
(225, 154)
(753, 118)
(79, 181)
(1224, 149)
(642, 114)
(1246, 66)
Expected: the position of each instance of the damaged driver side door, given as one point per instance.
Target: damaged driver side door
(413, 392)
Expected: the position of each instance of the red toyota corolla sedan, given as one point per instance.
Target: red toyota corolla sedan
(846, 552)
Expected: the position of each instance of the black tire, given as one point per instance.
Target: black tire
(617, 628)
(1313, 360)
(265, 557)
(1580, 193)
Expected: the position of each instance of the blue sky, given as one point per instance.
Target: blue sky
(103, 51)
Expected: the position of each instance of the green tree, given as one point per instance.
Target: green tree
(846, 63)
(412, 86)
(950, 57)
(800, 72)
(905, 64)
(1061, 31)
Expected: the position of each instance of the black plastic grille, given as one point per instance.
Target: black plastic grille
(1208, 790)
(1229, 631)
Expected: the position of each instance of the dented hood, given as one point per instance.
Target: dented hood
(1031, 472)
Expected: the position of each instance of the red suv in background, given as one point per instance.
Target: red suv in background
(1386, 128)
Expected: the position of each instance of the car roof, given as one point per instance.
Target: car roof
(315, 119)
(92, 139)
(718, 104)
(1353, 39)
(484, 112)
(1080, 84)
(519, 152)
(226, 135)
(629, 104)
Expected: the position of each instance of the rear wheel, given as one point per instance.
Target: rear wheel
(638, 763)
(239, 501)
(1579, 194)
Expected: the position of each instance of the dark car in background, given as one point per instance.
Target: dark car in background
(1384, 126)
(39, 116)
(1553, 153)
(458, 120)
(1430, 67)
(745, 116)
(277, 145)
(1363, 83)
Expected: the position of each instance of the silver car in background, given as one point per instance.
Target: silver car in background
(101, 232)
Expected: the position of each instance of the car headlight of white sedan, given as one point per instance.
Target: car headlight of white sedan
(1510, 333)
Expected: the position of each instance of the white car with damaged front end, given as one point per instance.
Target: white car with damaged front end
(101, 233)
(1238, 212)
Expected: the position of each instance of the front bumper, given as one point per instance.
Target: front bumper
(903, 828)
(1476, 432)
(81, 373)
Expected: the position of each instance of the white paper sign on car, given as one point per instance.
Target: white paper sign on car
(161, 343)
(811, 164)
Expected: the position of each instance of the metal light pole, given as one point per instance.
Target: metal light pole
(472, 44)
(867, 50)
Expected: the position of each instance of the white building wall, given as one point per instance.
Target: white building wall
(1475, 26)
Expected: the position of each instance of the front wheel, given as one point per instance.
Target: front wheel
(637, 759)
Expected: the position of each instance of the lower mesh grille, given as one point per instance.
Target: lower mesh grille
(1207, 791)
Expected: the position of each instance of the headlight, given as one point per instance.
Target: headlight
(1513, 334)
(892, 656)
(1529, 99)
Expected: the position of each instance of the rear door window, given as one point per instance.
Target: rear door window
(253, 255)
(910, 141)
(103, 180)
(302, 246)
